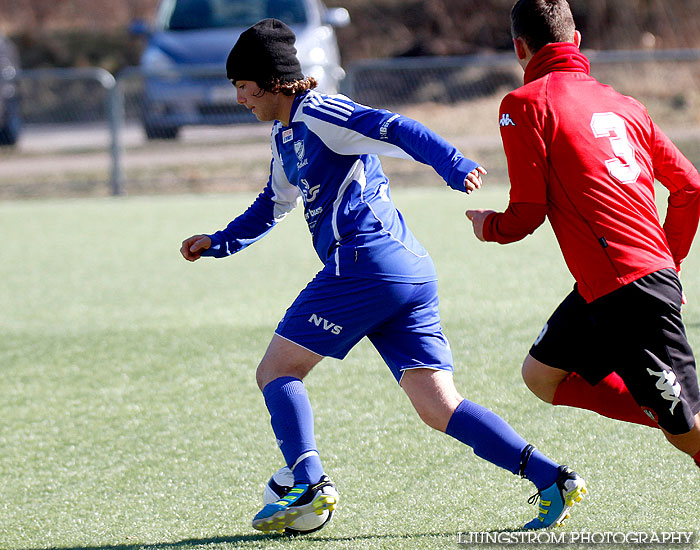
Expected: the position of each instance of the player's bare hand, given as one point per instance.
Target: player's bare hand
(478, 217)
(473, 180)
(192, 248)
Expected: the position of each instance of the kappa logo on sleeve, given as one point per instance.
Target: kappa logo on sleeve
(506, 120)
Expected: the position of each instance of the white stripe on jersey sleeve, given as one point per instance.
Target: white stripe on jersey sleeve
(330, 106)
(344, 141)
(286, 196)
(336, 136)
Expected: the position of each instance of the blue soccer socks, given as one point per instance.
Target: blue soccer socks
(539, 468)
(493, 439)
(293, 423)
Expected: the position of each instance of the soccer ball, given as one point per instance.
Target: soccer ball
(279, 485)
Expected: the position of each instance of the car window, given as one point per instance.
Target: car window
(183, 15)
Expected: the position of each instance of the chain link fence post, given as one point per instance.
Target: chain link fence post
(115, 115)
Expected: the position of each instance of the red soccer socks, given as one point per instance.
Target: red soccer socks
(609, 397)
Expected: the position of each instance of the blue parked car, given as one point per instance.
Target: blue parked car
(183, 63)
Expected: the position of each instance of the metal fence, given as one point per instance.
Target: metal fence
(87, 132)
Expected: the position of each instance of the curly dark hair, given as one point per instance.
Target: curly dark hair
(288, 88)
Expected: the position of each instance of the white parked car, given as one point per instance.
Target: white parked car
(183, 64)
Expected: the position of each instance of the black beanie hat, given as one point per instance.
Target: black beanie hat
(263, 53)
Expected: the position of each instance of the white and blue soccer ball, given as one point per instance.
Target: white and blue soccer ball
(279, 485)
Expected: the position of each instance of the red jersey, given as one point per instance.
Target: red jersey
(587, 157)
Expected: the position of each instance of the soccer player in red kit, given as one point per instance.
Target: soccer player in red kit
(586, 157)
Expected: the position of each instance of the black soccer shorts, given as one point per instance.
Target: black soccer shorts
(636, 331)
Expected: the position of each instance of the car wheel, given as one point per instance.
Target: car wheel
(161, 132)
(11, 126)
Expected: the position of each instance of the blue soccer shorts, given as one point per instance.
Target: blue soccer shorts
(402, 320)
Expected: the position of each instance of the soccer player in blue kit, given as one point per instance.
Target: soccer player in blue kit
(376, 281)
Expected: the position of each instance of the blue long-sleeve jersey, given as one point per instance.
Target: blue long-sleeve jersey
(326, 158)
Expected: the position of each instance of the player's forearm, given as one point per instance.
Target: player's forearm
(244, 230)
(517, 222)
(681, 224)
(428, 147)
